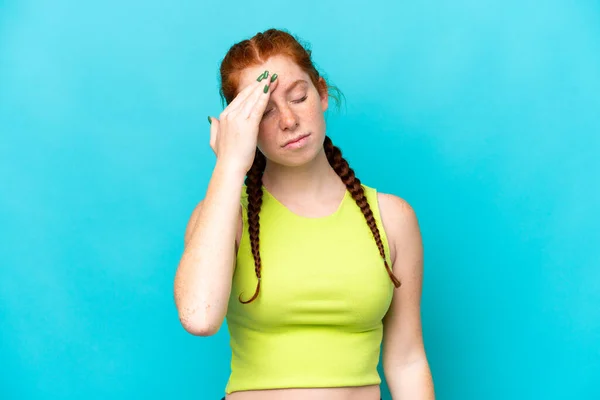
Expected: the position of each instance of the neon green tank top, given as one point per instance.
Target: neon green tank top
(317, 321)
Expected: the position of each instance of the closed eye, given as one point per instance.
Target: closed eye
(295, 101)
(300, 100)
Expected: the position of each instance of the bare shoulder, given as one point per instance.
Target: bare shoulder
(395, 206)
(399, 220)
(396, 210)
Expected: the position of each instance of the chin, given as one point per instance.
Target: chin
(292, 161)
(296, 158)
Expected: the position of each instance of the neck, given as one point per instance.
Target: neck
(310, 180)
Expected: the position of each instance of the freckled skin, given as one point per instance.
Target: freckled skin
(287, 118)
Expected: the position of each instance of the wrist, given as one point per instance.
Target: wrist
(230, 170)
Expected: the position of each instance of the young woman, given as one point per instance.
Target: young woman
(312, 269)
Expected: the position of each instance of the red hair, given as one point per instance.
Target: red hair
(257, 50)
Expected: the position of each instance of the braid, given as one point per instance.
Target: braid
(353, 185)
(254, 190)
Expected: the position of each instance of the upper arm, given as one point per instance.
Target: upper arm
(403, 340)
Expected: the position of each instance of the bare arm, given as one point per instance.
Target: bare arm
(203, 278)
(405, 363)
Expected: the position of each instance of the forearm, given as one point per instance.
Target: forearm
(411, 381)
(203, 278)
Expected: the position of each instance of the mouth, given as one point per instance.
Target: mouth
(297, 141)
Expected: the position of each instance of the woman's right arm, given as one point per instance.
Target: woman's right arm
(203, 278)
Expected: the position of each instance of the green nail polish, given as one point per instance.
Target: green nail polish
(210, 120)
(266, 88)
(263, 76)
(273, 78)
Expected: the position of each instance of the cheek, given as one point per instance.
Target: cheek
(313, 109)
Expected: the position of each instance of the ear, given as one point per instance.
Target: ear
(323, 94)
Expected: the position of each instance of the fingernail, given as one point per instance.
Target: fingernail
(263, 76)
(266, 88)
(273, 78)
(210, 120)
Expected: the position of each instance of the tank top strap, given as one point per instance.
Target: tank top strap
(372, 197)
(244, 204)
(244, 198)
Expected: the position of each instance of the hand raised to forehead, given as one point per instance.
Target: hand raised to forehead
(234, 135)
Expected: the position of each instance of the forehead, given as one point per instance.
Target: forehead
(287, 72)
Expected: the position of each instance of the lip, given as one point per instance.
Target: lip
(295, 140)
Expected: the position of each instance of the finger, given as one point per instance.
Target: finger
(264, 91)
(241, 97)
(255, 110)
(246, 92)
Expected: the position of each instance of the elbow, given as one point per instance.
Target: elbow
(198, 330)
(198, 316)
(198, 326)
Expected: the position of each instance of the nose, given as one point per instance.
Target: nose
(288, 120)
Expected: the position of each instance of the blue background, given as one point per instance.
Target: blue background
(484, 115)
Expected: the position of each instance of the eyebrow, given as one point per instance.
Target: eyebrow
(291, 87)
(294, 84)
